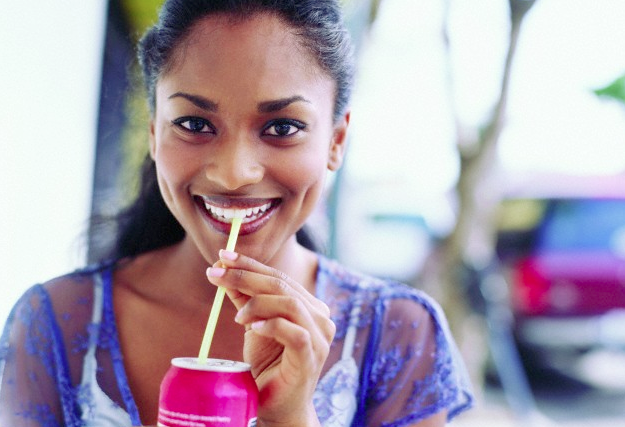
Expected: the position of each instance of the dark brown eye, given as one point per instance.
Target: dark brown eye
(283, 128)
(194, 124)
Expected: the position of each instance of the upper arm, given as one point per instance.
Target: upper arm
(415, 378)
(30, 377)
(437, 420)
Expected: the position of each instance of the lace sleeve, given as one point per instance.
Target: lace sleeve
(416, 371)
(35, 390)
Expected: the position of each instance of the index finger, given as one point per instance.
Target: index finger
(282, 284)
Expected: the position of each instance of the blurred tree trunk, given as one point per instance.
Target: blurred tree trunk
(472, 239)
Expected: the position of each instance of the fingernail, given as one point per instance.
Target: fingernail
(238, 317)
(215, 272)
(258, 324)
(229, 255)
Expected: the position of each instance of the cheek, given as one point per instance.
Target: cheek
(303, 173)
(175, 163)
(175, 169)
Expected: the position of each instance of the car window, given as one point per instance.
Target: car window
(583, 224)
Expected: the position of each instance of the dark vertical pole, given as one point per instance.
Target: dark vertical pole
(118, 55)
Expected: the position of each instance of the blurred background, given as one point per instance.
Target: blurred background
(486, 166)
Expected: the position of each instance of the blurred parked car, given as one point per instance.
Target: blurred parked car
(563, 256)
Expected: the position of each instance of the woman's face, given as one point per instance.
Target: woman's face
(244, 122)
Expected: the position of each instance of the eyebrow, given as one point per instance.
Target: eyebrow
(198, 101)
(263, 107)
(279, 104)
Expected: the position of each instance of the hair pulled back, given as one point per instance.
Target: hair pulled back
(148, 224)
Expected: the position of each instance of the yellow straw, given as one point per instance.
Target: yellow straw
(219, 298)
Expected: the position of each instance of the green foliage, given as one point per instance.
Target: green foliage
(140, 14)
(614, 91)
(134, 138)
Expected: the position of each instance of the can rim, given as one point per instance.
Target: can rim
(211, 365)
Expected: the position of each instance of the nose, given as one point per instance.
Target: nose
(235, 163)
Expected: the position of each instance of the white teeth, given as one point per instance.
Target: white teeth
(226, 215)
(229, 213)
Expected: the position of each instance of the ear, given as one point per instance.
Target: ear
(339, 143)
(152, 140)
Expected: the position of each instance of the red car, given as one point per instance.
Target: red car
(564, 261)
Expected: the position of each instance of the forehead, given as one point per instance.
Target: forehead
(255, 41)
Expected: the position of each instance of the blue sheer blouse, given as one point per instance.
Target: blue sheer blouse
(393, 361)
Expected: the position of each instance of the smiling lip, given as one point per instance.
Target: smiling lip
(221, 211)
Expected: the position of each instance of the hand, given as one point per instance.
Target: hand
(288, 336)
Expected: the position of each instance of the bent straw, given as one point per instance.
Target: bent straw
(219, 298)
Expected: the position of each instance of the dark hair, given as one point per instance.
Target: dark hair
(148, 224)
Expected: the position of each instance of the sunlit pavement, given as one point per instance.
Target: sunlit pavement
(488, 414)
(492, 417)
(589, 408)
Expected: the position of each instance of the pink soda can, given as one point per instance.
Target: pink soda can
(214, 393)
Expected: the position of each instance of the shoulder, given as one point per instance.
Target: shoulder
(339, 279)
(53, 316)
(393, 305)
(70, 288)
(60, 296)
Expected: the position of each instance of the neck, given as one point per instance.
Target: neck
(176, 272)
(298, 263)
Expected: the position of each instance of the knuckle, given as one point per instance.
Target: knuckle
(293, 305)
(302, 340)
(279, 275)
(248, 262)
(325, 309)
(251, 305)
(324, 350)
(330, 330)
(278, 285)
(238, 274)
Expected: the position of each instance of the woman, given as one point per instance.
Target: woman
(249, 104)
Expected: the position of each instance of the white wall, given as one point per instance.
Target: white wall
(50, 60)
